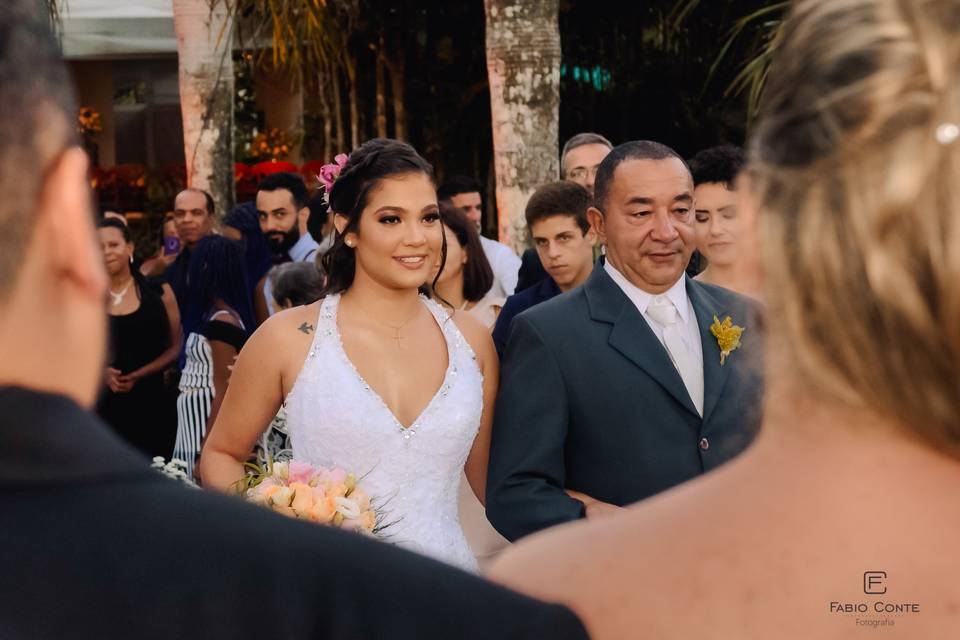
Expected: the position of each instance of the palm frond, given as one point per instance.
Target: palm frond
(303, 34)
(753, 74)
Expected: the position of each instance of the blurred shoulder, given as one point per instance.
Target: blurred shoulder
(728, 298)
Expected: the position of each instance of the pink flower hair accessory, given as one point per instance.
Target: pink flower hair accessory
(329, 174)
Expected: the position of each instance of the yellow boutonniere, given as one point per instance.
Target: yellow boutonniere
(727, 335)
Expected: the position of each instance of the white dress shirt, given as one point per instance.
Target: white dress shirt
(505, 265)
(677, 294)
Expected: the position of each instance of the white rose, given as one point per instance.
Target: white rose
(283, 497)
(347, 508)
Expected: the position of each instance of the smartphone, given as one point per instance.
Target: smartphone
(171, 245)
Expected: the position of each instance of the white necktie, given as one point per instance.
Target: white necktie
(663, 312)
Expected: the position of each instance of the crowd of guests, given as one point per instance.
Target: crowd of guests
(623, 379)
(219, 282)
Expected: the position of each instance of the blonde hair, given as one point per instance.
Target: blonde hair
(860, 206)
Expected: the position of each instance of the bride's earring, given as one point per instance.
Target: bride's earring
(350, 243)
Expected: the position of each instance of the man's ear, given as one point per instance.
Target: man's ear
(65, 224)
(595, 216)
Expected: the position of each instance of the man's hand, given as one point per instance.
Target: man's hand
(594, 508)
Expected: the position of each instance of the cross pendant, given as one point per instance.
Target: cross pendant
(398, 338)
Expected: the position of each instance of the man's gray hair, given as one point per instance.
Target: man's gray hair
(580, 140)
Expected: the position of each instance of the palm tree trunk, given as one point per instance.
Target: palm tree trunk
(395, 67)
(381, 94)
(351, 69)
(337, 111)
(204, 48)
(523, 67)
(326, 110)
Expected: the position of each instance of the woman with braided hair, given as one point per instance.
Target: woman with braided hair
(378, 378)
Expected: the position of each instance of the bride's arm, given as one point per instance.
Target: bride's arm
(480, 340)
(252, 399)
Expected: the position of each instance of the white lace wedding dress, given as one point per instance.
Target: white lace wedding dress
(335, 418)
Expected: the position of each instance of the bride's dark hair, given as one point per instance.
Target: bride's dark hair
(370, 162)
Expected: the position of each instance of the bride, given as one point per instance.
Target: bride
(378, 379)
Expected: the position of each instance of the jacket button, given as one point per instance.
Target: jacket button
(704, 444)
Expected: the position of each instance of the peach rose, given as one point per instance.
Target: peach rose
(287, 511)
(302, 496)
(368, 520)
(323, 510)
(360, 496)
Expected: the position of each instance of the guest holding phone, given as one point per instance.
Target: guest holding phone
(155, 265)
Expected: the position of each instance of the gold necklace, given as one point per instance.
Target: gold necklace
(396, 328)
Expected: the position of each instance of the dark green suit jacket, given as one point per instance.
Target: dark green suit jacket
(589, 400)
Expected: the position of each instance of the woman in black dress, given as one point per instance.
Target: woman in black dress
(144, 341)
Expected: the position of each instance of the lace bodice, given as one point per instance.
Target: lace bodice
(335, 418)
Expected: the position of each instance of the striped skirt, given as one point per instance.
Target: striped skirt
(194, 401)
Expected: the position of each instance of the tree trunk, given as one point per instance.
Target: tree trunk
(523, 66)
(326, 112)
(204, 47)
(337, 111)
(381, 94)
(351, 68)
(395, 67)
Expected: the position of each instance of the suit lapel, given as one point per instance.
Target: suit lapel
(715, 376)
(632, 336)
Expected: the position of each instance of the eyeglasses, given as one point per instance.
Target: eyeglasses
(580, 173)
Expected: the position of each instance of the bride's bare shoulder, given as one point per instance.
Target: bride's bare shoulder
(290, 325)
(476, 334)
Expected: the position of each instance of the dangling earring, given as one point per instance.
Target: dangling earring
(350, 243)
(131, 259)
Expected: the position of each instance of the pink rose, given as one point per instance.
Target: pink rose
(330, 172)
(333, 476)
(300, 472)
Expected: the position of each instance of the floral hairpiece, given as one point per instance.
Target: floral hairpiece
(329, 174)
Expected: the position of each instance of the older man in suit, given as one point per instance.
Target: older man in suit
(95, 544)
(634, 392)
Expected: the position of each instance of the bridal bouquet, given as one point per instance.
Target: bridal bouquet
(325, 496)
